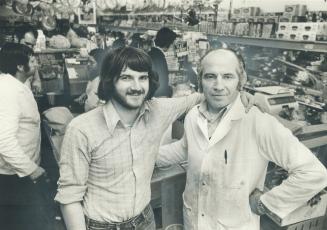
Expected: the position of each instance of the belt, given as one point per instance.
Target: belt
(129, 224)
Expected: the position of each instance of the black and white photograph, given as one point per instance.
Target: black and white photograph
(163, 115)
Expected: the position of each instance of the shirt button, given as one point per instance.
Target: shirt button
(202, 214)
(203, 183)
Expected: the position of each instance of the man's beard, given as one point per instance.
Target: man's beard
(123, 102)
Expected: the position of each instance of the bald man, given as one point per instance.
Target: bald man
(228, 151)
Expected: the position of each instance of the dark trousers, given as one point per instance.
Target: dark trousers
(23, 204)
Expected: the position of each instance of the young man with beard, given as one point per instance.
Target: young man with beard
(108, 154)
(228, 151)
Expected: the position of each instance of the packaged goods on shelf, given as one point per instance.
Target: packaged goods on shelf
(226, 28)
(308, 36)
(267, 30)
(271, 19)
(286, 19)
(253, 30)
(260, 19)
(237, 12)
(250, 11)
(242, 29)
(295, 10)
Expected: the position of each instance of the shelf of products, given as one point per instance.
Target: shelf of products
(275, 43)
(310, 46)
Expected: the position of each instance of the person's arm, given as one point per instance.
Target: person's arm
(173, 153)
(10, 150)
(307, 176)
(249, 101)
(73, 216)
(173, 108)
(36, 84)
(74, 168)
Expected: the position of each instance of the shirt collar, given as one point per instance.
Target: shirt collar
(234, 111)
(159, 48)
(112, 117)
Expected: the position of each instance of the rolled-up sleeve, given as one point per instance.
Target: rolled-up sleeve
(74, 167)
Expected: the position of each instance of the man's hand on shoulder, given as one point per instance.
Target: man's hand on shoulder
(248, 101)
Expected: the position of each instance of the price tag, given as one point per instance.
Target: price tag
(309, 46)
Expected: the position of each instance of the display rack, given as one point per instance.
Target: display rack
(54, 51)
(251, 41)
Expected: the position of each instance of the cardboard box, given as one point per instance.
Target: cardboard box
(272, 19)
(250, 11)
(296, 10)
(283, 35)
(311, 224)
(308, 36)
(305, 212)
(237, 12)
(310, 27)
(294, 36)
(286, 19)
(260, 19)
(284, 27)
(322, 28)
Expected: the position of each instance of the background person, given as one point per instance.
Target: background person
(27, 35)
(164, 39)
(20, 174)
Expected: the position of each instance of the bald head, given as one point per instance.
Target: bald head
(224, 59)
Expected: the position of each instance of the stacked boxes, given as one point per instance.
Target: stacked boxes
(302, 31)
(295, 10)
(248, 12)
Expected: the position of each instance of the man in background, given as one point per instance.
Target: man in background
(20, 138)
(228, 151)
(27, 35)
(164, 39)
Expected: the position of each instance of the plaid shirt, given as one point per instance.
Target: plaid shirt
(109, 166)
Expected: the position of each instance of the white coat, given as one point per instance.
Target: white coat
(223, 171)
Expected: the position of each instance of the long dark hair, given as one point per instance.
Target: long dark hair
(118, 59)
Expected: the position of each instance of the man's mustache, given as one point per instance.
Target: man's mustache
(137, 92)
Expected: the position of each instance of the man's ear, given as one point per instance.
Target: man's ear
(20, 68)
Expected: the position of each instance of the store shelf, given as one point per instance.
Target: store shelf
(274, 43)
(52, 51)
(251, 41)
(154, 13)
(307, 90)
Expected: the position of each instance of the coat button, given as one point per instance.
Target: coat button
(202, 214)
(203, 183)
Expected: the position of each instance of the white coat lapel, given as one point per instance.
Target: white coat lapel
(236, 112)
